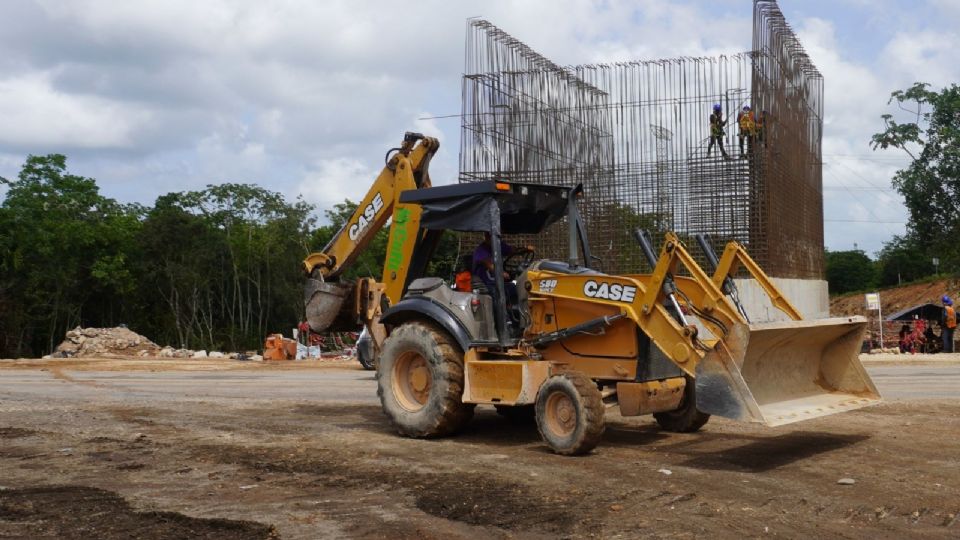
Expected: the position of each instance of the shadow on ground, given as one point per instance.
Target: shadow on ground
(83, 512)
(767, 453)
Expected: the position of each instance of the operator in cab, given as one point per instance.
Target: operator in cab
(483, 269)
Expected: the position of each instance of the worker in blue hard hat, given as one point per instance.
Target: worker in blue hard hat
(716, 130)
(948, 323)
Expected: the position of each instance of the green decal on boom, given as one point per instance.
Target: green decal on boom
(398, 236)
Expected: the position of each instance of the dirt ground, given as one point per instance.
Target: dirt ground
(92, 462)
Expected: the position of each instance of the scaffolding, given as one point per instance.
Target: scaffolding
(636, 135)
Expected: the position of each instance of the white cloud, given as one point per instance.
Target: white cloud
(33, 114)
(924, 57)
(331, 181)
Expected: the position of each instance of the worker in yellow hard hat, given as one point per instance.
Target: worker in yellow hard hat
(748, 129)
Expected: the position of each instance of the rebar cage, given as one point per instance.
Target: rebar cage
(637, 134)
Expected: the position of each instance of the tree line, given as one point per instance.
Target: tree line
(217, 268)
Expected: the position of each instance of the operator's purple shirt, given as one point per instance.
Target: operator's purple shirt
(484, 252)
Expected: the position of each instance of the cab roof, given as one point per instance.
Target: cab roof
(476, 206)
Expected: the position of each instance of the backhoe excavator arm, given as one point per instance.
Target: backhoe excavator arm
(407, 169)
(327, 298)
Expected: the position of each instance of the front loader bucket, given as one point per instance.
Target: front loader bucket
(324, 303)
(784, 372)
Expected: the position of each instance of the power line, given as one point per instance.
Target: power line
(858, 189)
(443, 117)
(866, 157)
(856, 200)
(871, 188)
(858, 175)
(865, 221)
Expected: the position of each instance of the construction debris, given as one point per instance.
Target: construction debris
(119, 341)
(123, 342)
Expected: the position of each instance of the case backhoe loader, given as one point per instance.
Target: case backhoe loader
(675, 343)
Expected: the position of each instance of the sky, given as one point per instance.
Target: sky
(304, 97)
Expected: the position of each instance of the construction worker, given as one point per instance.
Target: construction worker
(463, 277)
(948, 323)
(760, 128)
(748, 129)
(483, 267)
(716, 130)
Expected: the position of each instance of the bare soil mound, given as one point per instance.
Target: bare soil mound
(895, 298)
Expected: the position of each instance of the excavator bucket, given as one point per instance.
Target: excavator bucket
(784, 372)
(325, 302)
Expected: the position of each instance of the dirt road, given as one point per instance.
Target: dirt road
(229, 450)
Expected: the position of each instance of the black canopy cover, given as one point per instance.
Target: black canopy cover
(482, 206)
(926, 312)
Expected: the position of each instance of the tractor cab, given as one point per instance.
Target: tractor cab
(491, 314)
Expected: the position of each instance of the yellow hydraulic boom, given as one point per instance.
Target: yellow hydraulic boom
(333, 303)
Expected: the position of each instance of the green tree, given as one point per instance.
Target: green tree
(902, 260)
(849, 271)
(930, 185)
(64, 258)
(226, 262)
(180, 265)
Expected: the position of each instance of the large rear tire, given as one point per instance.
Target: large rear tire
(570, 413)
(686, 418)
(420, 381)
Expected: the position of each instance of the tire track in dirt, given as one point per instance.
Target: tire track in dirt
(467, 497)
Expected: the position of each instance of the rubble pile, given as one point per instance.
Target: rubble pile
(120, 341)
(123, 342)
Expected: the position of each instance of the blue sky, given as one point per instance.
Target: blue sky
(304, 97)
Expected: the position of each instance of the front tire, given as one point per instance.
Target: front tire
(420, 381)
(570, 413)
(685, 419)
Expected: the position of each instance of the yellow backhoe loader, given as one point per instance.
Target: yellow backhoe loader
(559, 340)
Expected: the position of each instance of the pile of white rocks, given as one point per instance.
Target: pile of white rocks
(123, 342)
(170, 352)
(105, 342)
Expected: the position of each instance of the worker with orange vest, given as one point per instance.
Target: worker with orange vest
(463, 276)
(748, 128)
(948, 323)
